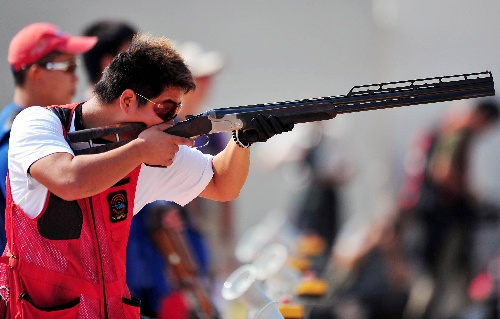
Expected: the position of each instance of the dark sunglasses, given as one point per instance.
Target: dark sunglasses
(167, 110)
(65, 66)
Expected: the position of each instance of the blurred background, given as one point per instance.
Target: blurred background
(286, 50)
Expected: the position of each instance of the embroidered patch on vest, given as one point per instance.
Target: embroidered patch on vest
(117, 206)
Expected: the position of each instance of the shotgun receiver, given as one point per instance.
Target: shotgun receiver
(360, 98)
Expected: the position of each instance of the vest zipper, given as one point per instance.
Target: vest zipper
(100, 259)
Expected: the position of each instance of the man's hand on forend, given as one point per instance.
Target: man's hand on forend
(265, 128)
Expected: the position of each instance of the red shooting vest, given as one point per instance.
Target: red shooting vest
(70, 260)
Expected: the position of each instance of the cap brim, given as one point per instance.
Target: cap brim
(211, 64)
(76, 45)
(200, 62)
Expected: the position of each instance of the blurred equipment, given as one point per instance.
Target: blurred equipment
(278, 279)
(242, 284)
(182, 267)
(274, 228)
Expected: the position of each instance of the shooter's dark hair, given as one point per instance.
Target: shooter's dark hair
(148, 67)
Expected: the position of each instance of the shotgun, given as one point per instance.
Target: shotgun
(360, 98)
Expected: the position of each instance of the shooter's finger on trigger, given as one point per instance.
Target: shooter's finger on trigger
(165, 125)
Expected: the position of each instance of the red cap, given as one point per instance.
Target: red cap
(39, 39)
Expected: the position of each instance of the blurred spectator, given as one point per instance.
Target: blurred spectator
(318, 211)
(369, 272)
(438, 192)
(166, 276)
(114, 37)
(43, 61)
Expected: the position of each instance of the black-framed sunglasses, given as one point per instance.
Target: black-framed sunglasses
(65, 66)
(167, 110)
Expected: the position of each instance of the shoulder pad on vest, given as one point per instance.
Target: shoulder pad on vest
(64, 114)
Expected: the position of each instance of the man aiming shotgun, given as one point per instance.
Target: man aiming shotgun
(68, 217)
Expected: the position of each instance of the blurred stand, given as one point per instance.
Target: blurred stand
(242, 286)
(266, 247)
(274, 228)
(279, 280)
(283, 269)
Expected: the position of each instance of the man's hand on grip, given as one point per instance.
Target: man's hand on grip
(159, 148)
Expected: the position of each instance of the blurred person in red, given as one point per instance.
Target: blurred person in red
(439, 197)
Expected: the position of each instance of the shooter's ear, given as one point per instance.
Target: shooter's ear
(127, 100)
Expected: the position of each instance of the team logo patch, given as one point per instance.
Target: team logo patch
(118, 206)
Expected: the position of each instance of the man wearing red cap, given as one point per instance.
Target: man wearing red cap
(43, 62)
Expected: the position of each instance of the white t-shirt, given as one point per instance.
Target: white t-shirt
(37, 132)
